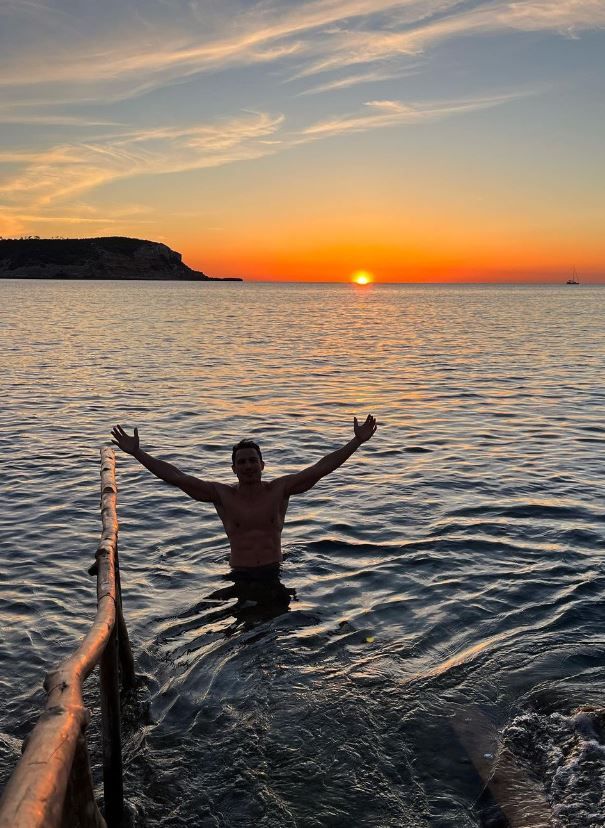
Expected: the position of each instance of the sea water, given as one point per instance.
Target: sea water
(448, 624)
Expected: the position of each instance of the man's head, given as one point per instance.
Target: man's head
(247, 461)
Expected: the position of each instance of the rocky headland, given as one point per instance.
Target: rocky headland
(111, 257)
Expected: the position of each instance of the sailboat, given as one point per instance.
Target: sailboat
(574, 278)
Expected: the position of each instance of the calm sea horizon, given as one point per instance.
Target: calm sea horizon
(449, 610)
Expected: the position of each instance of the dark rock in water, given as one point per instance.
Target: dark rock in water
(493, 817)
(565, 754)
(112, 257)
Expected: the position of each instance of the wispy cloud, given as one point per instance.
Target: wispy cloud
(568, 17)
(69, 169)
(322, 36)
(374, 76)
(66, 171)
(384, 113)
(16, 220)
(372, 44)
(53, 119)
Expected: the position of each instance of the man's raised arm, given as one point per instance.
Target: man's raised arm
(193, 486)
(304, 480)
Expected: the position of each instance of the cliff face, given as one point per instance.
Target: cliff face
(113, 257)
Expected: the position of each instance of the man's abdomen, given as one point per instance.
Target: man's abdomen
(254, 548)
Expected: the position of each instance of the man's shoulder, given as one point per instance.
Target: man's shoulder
(276, 483)
(224, 487)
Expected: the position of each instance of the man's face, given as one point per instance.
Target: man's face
(247, 466)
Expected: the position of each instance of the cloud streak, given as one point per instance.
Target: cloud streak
(385, 113)
(66, 171)
(322, 36)
(374, 76)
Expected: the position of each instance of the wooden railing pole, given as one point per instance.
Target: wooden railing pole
(55, 759)
(112, 741)
(124, 649)
(80, 808)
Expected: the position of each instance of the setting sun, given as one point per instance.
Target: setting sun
(362, 277)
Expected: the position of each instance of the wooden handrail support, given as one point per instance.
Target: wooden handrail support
(51, 785)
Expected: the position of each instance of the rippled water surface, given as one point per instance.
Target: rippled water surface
(448, 624)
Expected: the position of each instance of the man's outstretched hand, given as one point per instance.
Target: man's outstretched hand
(125, 441)
(366, 430)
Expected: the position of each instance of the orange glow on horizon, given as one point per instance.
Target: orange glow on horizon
(391, 263)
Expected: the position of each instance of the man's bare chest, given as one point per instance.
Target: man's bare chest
(263, 510)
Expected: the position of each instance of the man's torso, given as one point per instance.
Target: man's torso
(253, 520)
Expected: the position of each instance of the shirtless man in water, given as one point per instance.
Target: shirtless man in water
(252, 510)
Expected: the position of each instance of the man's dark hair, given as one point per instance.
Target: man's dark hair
(245, 444)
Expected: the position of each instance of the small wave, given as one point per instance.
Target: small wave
(10, 752)
(542, 511)
(573, 537)
(598, 440)
(329, 545)
(451, 546)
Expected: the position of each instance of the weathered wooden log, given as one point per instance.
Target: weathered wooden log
(35, 794)
(110, 530)
(127, 671)
(112, 739)
(80, 807)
